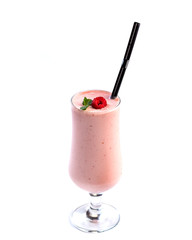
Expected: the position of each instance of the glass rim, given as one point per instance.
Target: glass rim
(104, 110)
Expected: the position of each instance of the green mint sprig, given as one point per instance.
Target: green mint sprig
(86, 103)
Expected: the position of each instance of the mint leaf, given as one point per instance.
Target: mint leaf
(86, 103)
(84, 107)
(89, 102)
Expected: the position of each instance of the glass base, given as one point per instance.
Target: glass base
(85, 221)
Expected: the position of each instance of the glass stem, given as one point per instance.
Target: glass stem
(94, 211)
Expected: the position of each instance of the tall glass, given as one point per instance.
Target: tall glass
(95, 162)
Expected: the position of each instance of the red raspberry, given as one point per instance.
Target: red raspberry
(99, 102)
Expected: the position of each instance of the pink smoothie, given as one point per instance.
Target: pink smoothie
(95, 163)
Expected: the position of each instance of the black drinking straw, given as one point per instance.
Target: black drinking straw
(126, 59)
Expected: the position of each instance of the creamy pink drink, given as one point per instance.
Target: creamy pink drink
(95, 163)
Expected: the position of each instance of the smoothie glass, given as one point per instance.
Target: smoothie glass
(95, 162)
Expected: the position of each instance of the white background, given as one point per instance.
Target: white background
(50, 50)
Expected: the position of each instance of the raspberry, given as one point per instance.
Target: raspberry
(99, 102)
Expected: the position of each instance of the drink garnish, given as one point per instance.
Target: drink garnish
(99, 102)
(86, 103)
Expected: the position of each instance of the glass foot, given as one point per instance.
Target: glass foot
(95, 217)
